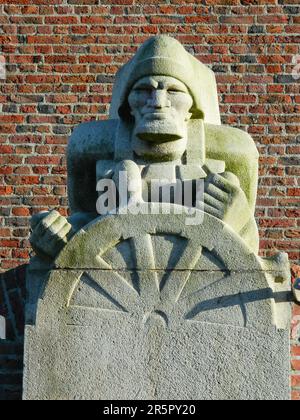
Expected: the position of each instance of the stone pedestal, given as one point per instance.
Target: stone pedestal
(146, 307)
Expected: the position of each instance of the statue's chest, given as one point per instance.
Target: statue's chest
(175, 175)
(163, 182)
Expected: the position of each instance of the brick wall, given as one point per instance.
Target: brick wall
(61, 57)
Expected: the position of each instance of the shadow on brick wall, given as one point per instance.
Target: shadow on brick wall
(12, 304)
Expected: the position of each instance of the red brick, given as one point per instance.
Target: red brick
(42, 79)
(9, 243)
(240, 99)
(44, 39)
(96, 59)
(43, 160)
(4, 149)
(5, 253)
(295, 395)
(22, 180)
(21, 254)
(276, 223)
(294, 213)
(296, 381)
(273, 19)
(295, 351)
(296, 365)
(96, 20)
(164, 19)
(30, 10)
(238, 20)
(294, 192)
(6, 190)
(5, 170)
(200, 19)
(21, 211)
(292, 233)
(61, 20)
(4, 232)
(65, 99)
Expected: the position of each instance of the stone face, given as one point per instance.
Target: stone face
(155, 310)
(163, 55)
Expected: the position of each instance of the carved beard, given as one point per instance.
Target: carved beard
(159, 129)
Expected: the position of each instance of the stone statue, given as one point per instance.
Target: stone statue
(147, 306)
(164, 118)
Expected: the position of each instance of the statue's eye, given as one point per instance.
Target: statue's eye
(175, 90)
(143, 89)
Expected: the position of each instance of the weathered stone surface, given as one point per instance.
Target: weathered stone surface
(154, 301)
(165, 120)
(145, 307)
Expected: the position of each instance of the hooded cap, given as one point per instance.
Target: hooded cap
(165, 56)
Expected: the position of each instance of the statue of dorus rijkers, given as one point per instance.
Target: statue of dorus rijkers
(145, 295)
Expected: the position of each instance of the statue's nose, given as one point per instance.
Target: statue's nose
(159, 99)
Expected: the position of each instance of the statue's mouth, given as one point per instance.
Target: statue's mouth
(159, 127)
(156, 116)
(159, 137)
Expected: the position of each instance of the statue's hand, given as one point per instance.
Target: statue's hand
(224, 199)
(50, 233)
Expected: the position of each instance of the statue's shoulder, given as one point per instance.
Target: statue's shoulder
(93, 136)
(230, 140)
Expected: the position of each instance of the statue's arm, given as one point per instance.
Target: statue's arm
(225, 200)
(238, 150)
(89, 143)
(250, 235)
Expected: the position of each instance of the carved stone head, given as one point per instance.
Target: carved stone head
(165, 56)
(160, 106)
(158, 92)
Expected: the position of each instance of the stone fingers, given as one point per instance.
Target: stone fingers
(213, 202)
(51, 232)
(37, 218)
(57, 232)
(222, 183)
(233, 179)
(213, 211)
(217, 193)
(60, 227)
(45, 222)
(51, 240)
(51, 244)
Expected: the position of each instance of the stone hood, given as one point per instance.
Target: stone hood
(163, 55)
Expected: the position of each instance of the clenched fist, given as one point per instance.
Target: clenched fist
(224, 199)
(50, 233)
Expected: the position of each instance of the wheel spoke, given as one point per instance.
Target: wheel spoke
(145, 266)
(179, 276)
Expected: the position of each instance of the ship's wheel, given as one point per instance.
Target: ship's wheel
(148, 307)
(155, 265)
